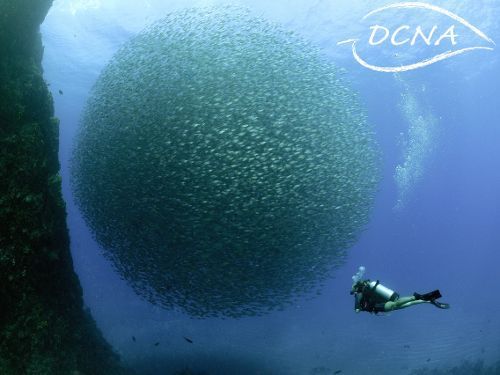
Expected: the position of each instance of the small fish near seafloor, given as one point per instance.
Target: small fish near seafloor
(188, 339)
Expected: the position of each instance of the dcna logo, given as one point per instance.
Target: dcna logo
(394, 37)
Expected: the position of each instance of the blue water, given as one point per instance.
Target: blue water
(444, 233)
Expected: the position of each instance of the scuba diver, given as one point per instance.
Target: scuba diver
(373, 297)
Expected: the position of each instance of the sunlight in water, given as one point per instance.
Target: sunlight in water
(75, 6)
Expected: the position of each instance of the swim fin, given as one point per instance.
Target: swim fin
(440, 304)
(431, 296)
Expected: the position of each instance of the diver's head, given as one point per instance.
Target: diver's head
(358, 286)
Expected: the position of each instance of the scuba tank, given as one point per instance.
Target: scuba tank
(383, 292)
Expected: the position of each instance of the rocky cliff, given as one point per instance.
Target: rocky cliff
(43, 326)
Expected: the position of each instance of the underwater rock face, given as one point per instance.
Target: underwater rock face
(43, 327)
(222, 164)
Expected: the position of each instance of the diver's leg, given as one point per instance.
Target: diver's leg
(403, 300)
(414, 302)
(402, 303)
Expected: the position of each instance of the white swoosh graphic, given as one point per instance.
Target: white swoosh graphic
(421, 64)
(434, 8)
(429, 61)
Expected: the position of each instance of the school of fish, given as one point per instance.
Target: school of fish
(223, 164)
